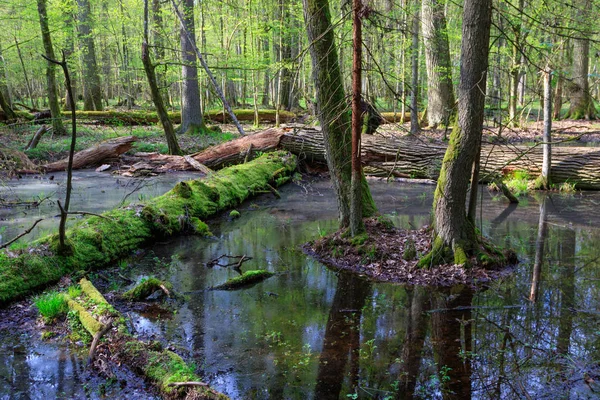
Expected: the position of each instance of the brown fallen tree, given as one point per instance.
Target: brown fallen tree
(414, 158)
(94, 155)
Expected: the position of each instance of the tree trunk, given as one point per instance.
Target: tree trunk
(4, 89)
(515, 70)
(582, 104)
(414, 90)
(356, 224)
(159, 49)
(332, 107)
(545, 178)
(57, 123)
(440, 93)
(8, 111)
(455, 234)
(191, 114)
(92, 91)
(161, 110)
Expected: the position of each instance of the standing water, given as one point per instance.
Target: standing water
(313, 333)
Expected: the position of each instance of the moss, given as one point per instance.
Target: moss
(164, 367)
(246, 279)
(98, 241)
(183, 190)
(359, 240)
(460, 256)
(91, 292)
(91, 325)
(200, 227)
(439, 254)
(145, 288)
(234, 214)
(410, 251)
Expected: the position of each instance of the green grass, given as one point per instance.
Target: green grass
(518, 182)
(51, 305)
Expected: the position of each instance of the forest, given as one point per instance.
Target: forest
(290, 199)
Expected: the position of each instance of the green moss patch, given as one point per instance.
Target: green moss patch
(248, 278)
(98, 241)
(146, 287)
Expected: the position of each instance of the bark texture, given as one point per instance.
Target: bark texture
(92, 91)
(94, 155)
(440, 93)
(57, 123)
(455, 234)
(582, 104)
(191, 113)
(331, 106)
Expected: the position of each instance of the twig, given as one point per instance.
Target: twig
(22, 234)
(274, 191)
(97, 338)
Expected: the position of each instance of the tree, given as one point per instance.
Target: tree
(455, 236)
(414, 84)
(92, 91)
(331, 108)
(582, 104)
(440, 93)
(57, 123)
(191, 113)
(161, 110)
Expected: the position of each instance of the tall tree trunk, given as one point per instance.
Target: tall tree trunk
(356, 224)
(414, 90)
(455, 233)
(545, 179)
(128, 84)
(332, 107)
(515, 69)
(69, 18)
(159, 49)
(4, 89)
(191, 114)
(57, 123)
(5, 106)
(92, 91)
(440, 93)
(161, 110)
(582, 104)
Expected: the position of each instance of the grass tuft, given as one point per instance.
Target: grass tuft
(51, 305)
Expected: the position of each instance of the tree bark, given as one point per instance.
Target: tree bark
(92, 91)
(356, 224)
(57, 123)
(455, 234)
(332, 106)
(440, 93)
(545, 179)
(161, 110)
(94, 155)
(191, 113)
(414, 90)
(409, 158)
(8, 111)
(582, 104)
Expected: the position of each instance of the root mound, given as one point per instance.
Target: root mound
(388, 254)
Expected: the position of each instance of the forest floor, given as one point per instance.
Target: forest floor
(389, 254)
(151, 138)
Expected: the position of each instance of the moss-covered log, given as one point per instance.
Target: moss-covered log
(146, 287)
(158, 365)
(150, 117)
(414, 158)
(12, 161)
(246, 279)
(97, 241)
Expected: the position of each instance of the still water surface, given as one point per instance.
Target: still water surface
(313, 333)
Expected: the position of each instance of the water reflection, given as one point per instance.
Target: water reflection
(311, 333)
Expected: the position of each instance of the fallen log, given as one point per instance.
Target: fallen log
(416, 158)
(228, 153)
(149, 117)
(98, 240)
(94, 155)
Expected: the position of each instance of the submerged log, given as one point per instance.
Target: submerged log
(415, 158)
(99, 240)
(248, 278)
(94, 155)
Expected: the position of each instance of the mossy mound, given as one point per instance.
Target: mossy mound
(146, 287)
(100, 240)
(248, 278)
